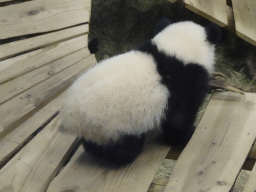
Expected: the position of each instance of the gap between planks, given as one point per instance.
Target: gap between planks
(22, 83)
(22, 46)
(239, 18)
(15, 139)
(250, 186)
(13, 67)
(12, 142)
(158, 184)
(214, 10)
(27, 102)
(245, 15)
(38, 162)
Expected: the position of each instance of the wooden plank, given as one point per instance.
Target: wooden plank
(98, 177)
(11, 142)
(21, 105)
(250, 185)
(38, 162)
(241, 180)
(28, 80)
(231, 20)
(17, 47)
(2, 1)
(245, 16)
(19, 65)
(42, 16)
(212, 159)
(214, 10)
(158, 184)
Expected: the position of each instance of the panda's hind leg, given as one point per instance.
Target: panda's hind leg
(184, 103)
(177, 137)
(124, 151)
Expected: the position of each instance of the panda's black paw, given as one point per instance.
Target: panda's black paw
(178, 137)
(93, 46)
(121, 153)
(161, 24)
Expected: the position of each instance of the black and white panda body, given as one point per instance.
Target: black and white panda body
(163, 82)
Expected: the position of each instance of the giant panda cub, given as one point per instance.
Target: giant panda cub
(161, 83)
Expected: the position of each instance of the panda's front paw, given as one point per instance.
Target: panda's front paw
(178, 137)
(119, 153)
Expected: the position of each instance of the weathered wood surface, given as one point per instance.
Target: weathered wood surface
(19, 65)
(19, 106)
(251, 183)
(212, 159)
(42, 16)
(38, 162)
(84, 173)
(32, 78)
(214, 10)
(17, 47)
(11, 142)
(158, 184)
(2, 1)
(245, 19)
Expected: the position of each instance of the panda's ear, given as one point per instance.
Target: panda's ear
(160, 25)
(93, 46)
(213, 33)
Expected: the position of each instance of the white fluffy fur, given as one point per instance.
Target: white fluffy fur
(187, 41)
(120, 95)
(123, 94)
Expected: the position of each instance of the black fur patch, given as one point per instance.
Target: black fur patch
(188, 85)
(123, 152)
(213, 33)
(93, 46)
(160, 25)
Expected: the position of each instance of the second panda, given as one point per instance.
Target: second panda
(161, 83)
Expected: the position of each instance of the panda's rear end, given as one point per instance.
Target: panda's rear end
(163, 82)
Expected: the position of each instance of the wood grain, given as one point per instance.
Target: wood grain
(19, 65)
(11, 142)
(245, 17)
(42, 16)
(28, 101)
(18, 47)
(32, 78)
(84, 173)
(158, 184)
(214, 10)
(212, 159)
(38, 162)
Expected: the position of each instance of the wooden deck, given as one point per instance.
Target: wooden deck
(215, 154)
(236, 15)
(35, 156)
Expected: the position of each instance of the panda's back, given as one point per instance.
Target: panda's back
(120, 95)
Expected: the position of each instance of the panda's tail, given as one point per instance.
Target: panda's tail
(93, 46)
